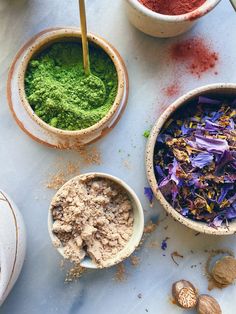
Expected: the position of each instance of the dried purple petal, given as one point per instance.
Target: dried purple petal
(217, 222)
(224, 191)
(202, 159)
(159, 172)
(212, 126)
(149, 194)
(164, 245)
(225, 159)
(172, 171)
(185, 211)
(212, 145)
(185, 130)
(208, 101)
(231, 213)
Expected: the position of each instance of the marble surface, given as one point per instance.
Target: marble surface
(26, 166)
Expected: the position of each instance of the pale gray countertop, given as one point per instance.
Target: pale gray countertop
(26, 166)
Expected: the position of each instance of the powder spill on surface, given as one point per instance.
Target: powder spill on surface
(74, 273)
(172, 90)
(120, 274)
(196, 53)
(90, 155)
(134, 260)
(64, 173)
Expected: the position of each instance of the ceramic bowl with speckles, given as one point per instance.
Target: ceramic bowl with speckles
(160, 25)
(138, 225)
(12, 245)
(224, 89)
(74, 139)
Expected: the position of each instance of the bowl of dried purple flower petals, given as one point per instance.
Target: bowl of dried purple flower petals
(191, 159)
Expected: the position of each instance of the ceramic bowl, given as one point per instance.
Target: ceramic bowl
(12, 245)
(74, 139)
(160, 25)
(137, 228)
(208, 90)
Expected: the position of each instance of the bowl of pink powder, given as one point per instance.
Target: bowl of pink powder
(95, 220)
(167, 18)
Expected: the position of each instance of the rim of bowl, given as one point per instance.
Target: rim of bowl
(58, 36)
(220, 88)
(200, 11)
(137, 233)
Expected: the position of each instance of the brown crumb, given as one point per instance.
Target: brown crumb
(120, 273)
(150, 227)
(176, 254)
(134, 260)
(154, 244)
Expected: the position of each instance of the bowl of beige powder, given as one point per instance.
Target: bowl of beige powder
(95, 220)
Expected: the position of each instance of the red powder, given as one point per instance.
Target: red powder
(172, 7)
(172, 90)
(196, 54)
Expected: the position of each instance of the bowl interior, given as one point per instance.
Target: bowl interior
(137, 227)
(217, 91)
(202, 10)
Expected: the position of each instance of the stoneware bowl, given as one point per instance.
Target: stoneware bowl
(74, 139)
(208, 90)
(12, 245)
(137, 228)
(160, 25)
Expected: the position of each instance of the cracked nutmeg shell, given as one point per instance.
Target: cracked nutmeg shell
(185, 294)
(208, 305)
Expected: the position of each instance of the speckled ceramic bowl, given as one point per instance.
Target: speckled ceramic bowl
(208, 90)
(74, 139)
(137, 228)
(160, 25)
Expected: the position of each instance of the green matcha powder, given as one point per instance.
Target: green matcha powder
(60, 93)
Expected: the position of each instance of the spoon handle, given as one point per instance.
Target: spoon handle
(83, 25)
(233, 2)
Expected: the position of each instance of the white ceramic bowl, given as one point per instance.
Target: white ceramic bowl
(208, 90)
(160, 25)
(137, 228)
(12, 245)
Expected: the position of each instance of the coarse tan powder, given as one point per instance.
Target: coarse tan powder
(92, 216)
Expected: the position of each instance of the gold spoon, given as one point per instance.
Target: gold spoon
(83, 25)
(99, 89)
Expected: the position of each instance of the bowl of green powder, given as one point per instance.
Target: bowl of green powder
(60, 98)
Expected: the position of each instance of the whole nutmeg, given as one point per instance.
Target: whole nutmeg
(208, 305)
(185, 294)
(224, 271)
